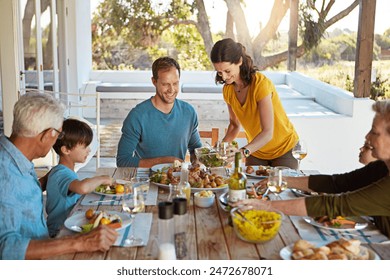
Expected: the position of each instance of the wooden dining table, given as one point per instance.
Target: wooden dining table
(209, 235)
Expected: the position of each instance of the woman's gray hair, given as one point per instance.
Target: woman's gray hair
(35, 112)
(382, 109)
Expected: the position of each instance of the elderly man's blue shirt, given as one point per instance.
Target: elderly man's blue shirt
(21, 203)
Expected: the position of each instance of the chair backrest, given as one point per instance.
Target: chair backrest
(212, 134)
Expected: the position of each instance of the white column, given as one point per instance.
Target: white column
(9, 59)
(79, 43)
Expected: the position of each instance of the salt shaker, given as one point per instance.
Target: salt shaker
(166, 245)
(180, 218)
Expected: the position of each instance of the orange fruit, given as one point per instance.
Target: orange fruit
(89, 213)
(105, 221)
(119, 188)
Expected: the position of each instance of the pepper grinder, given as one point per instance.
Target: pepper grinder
(166, 245)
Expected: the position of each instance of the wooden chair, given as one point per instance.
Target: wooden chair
(241, 134)
(212, 134)
(240, 138)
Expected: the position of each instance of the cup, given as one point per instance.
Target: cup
(141, 183)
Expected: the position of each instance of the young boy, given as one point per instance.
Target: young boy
(63, 186)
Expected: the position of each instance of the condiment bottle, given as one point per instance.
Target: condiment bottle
(180, 218)
(237, 184)
(184, 184)
(175, 190)
(166, 245)
(237, 181)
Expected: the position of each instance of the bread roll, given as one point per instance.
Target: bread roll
(302, 245)
(352, 245)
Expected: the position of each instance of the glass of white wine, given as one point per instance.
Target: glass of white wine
(132, 203)
(276, 182)
(300, 152)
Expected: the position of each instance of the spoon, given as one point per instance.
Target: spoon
(238, 211)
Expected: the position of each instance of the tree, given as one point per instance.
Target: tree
(144, 24)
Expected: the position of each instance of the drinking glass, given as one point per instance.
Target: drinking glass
(276, 182)
(132, 203)
(300, 152)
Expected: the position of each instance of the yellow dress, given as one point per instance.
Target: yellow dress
(285, 136)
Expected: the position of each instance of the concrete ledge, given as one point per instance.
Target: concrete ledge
(125, 87)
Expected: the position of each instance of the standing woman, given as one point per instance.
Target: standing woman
(253, 102)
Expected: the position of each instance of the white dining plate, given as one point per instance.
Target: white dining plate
(253, 174)
(194, 190)
(223, 201)
(360, 224)
(79, 219)
(161, 166)
(286, 252)
(302, 193)
(118, 181)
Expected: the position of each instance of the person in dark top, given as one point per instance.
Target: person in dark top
(362, 192)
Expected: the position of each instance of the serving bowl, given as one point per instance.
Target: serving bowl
(257, 226)
(210, 157)
(204, 198)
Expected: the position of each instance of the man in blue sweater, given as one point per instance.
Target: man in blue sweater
(162, 128)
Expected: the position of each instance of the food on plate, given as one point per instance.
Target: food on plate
(209, 157)
(177, 164)
(263, 226)
(205, 193)
(111, 189)
(341, 249)
(89, 213)
(249, 169)
(261, 170)
(96, 218)
(335, 223)
(257, 193)
(197, 178)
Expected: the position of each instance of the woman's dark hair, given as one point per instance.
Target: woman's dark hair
(164, 63)
(76, 132)
(227, 50)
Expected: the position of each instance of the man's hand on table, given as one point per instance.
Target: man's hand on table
(99, 239)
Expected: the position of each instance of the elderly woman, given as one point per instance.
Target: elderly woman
(363, 192)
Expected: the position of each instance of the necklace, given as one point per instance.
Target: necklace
(236, 88)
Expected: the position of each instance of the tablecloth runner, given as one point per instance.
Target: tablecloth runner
(140, 228)
(312, 233)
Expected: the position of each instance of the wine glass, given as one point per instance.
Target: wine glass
(299, 152)
(276, 182)
(132, 203)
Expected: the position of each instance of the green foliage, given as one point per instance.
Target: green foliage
(380, 88)
(311, 30)
(383, 41)
(130, 34)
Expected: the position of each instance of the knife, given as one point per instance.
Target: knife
(103, 201)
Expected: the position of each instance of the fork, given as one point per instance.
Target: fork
(346, 234)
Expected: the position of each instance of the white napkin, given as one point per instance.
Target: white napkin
(140, 228)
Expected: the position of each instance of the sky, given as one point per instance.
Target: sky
(259, 10)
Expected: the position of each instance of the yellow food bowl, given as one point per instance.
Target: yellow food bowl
(261, 226)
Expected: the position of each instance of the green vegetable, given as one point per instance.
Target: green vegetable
(86, 228)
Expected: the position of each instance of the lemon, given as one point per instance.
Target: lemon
(119, 188)
(105, 221)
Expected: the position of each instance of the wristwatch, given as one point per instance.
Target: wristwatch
(246, 152)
